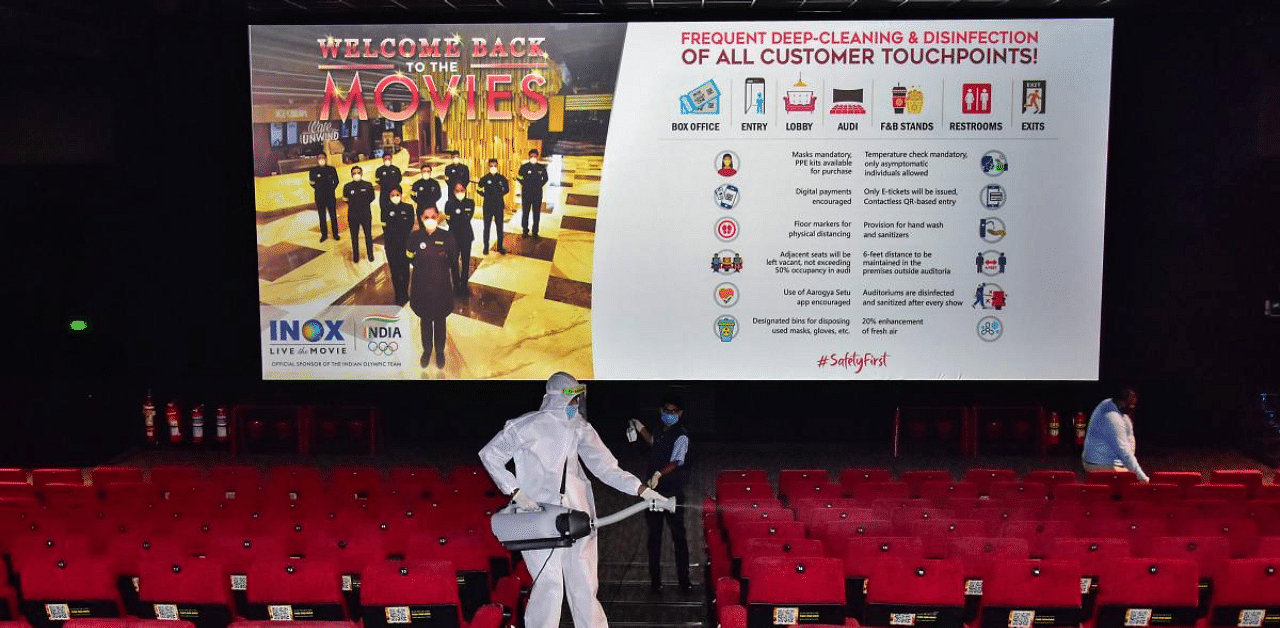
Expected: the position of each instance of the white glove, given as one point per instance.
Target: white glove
(657, 501)
(632, 433)
(653, 481)
(636, 425)
(524, 502)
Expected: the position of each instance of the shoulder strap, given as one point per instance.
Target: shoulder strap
(564, 475)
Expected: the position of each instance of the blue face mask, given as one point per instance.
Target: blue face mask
(571, 411)
(669, 418)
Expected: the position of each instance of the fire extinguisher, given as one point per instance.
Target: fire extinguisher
(1055, 425)
(197, 425)
(221, 424)
(174, 417)
(1081, 423)
(149, 418)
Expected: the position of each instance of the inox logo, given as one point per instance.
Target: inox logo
(310, 330)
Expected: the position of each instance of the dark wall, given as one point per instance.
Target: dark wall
(148, 235)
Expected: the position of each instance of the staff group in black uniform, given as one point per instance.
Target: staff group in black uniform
(324, 178)
(493, 188)
(359, 195)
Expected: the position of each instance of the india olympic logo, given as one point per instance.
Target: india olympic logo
(383, 348)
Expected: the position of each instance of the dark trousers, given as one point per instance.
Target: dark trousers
(329, 204)
(674, 520)
(495, 216)
(398, 262)
(355, 222)
(433, 336)
(530, 203)
(462, 263)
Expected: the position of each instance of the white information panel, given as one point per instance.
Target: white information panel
(854, 200)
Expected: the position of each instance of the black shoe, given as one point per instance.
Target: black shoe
(502, 251)
(440, 360)
(486, 250)
(536, 236)
(525, 234)
(425, 361)
(337, 237)
(355, 258)
(323, 237)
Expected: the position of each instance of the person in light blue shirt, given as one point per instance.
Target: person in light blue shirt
(1108, 443)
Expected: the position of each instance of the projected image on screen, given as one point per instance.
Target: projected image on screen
(841, 200)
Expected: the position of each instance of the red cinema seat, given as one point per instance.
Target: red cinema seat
(414, 482)
(13, 475)
(1266, 512)
(979, 556)
(1148, 592)
(902, 592)
(904, 518)
(292, 590)
(1117, 480)
(815, 519)
(175, 475)
(741, 476)
(939, 492)
(982, 478)
(55, 590)
(1007, 490)
(1184, 479)
(1189, 508)
(850, 478)
(860, 557)
(742, 514)
(102, 476)
(1247, 594)
(421, 593)
(1081, 492)
(784, 548)
(1084, 515)
(788, 590)
(799, 490)
(1242, 534)
(915, 480)
(295, 483)
(127, 622)
(471, 560)
(1138, 532)
(869, 492)
(238, 555)
(936, 535)
(1268, 547)
(1038, 534)
(187, 589)
(1024, 593)
(1094, 557)
(356, 482)
(735, 491)
(1228, 492)
(740, 533)
(1151, 492)
(234, 479)
(996, 518)
(20, 490)
(789, 479)
(472, 480)
(1251, 479)
(1269, 491)
(836, 535)
(42, 477)
(1209, 552)
(1050, 478)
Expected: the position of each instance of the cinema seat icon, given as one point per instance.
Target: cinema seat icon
(726, 328)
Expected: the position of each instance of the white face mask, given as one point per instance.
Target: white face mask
(426, 175)
(430, 224)
(395, 199)
(460, 195)
(493, 170)
(322, 162)
(386, 162)
(533, 160)
(357, 176)
(456, 159)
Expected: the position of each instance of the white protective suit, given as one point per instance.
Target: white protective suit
(541, 442)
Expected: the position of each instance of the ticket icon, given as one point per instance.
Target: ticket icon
(703, 99)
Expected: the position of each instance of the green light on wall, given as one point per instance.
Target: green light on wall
(79, 325)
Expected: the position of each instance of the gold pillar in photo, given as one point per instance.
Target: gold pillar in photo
(480, 139)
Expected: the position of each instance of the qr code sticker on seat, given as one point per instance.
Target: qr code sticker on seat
(786, 616)
(167, 612)
(902, 619)
(346, 583)
(973, 587)
(1140, 617)
(280, 612)
(1021, 619)
(1251, 618)
(239, 582)
(398, 614)
(1085, 585)
(57, 612)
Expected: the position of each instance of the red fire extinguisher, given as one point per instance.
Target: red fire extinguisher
(174, 417)
(1081, 423)
(1055, 426)
(197, 425)
(221, 424)
(149, 418)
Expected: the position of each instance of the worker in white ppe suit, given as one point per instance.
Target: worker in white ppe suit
(547, 445)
